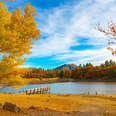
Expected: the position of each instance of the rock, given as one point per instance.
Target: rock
(68, 112)
(32, 107)
(12, 107)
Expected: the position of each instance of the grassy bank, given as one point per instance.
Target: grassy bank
(60, 80)
(97, 104)
(24, 81)
(41, 81)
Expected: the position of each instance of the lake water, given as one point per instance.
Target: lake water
(71, 88)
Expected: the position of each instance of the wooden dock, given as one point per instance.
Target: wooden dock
(40, 90)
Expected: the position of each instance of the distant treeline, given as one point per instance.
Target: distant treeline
(106, 71)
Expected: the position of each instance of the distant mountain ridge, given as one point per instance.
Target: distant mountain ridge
(67, 67)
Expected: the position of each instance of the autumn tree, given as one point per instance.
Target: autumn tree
(17, 30)
(110, 31)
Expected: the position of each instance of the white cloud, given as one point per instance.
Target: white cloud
(65, 25)
(81, 57)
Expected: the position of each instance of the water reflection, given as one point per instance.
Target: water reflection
(71, 88)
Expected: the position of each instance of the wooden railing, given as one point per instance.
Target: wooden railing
(40, 90)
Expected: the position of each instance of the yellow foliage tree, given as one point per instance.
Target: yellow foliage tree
(17, 31)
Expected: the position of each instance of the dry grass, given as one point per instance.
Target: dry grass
(41, 81)
(65, 103)
(38, 79)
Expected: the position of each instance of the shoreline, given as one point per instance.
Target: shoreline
(52, 80)
(66, 80)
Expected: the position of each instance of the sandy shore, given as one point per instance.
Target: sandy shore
(65, 105)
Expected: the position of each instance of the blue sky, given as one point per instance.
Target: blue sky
(68, 31)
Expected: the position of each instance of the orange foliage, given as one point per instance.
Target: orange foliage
(110, 32)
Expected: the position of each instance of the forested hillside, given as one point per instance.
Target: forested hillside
(106, 71)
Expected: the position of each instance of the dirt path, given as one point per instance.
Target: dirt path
(94, 110)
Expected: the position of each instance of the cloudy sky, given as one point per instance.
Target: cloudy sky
(68, 31)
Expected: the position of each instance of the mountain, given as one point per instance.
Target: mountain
(67, 67)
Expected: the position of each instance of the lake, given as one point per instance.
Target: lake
(71, 88)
